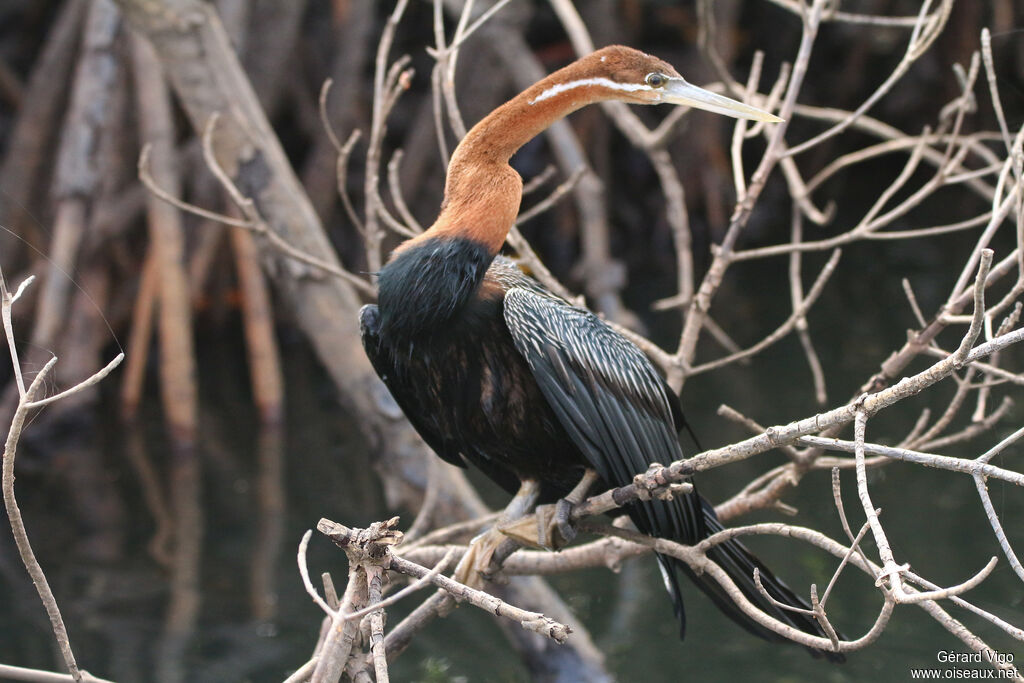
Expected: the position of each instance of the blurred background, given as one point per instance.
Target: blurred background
(170, 545)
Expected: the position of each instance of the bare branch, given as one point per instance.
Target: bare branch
(925, 31)
(413, 587)
(255, 222)
(18, 673)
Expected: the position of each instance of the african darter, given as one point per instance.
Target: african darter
(493, 369)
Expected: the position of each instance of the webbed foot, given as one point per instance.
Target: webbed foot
(475, 566)
(554, 528)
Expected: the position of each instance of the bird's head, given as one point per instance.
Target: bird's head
(622, 73)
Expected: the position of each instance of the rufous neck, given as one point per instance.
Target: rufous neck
(502, 132)
(482, 192)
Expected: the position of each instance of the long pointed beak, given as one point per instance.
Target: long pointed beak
(678, 91)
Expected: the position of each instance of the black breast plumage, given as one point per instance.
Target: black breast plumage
(440, 343)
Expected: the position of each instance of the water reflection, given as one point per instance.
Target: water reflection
(173, 565)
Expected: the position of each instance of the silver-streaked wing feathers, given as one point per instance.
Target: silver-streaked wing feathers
(608, 397)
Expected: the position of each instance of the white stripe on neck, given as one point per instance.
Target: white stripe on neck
(608, 83)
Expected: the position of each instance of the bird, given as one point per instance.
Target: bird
(495, 371)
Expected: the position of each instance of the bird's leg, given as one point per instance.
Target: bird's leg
(477, 560)
(553, 528)
(564, 506)
(559, 522)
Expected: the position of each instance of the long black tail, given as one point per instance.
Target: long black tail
(739, 563)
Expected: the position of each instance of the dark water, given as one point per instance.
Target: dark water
(132, 618)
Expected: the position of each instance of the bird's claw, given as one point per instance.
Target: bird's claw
(554, 528)
(563, 519)
(550, 529)
(554, 524)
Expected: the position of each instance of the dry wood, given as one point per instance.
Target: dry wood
(208, 79)
(174, 317)
(30, 138)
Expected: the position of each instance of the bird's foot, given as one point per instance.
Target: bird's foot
(489, 550)
(477, 564)
(549, 529)
(554, 524)
(554, 527)
(544, 530)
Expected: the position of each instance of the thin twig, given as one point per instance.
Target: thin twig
(253, 221)
(412, 225)
(28, 557)
(531, 621)
(18, 673)
(341, 176)
(563, 189)
(6, 301)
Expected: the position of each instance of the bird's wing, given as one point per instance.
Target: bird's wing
(618, 412)
(608, 397)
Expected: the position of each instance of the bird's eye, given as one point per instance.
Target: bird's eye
(655, 80)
